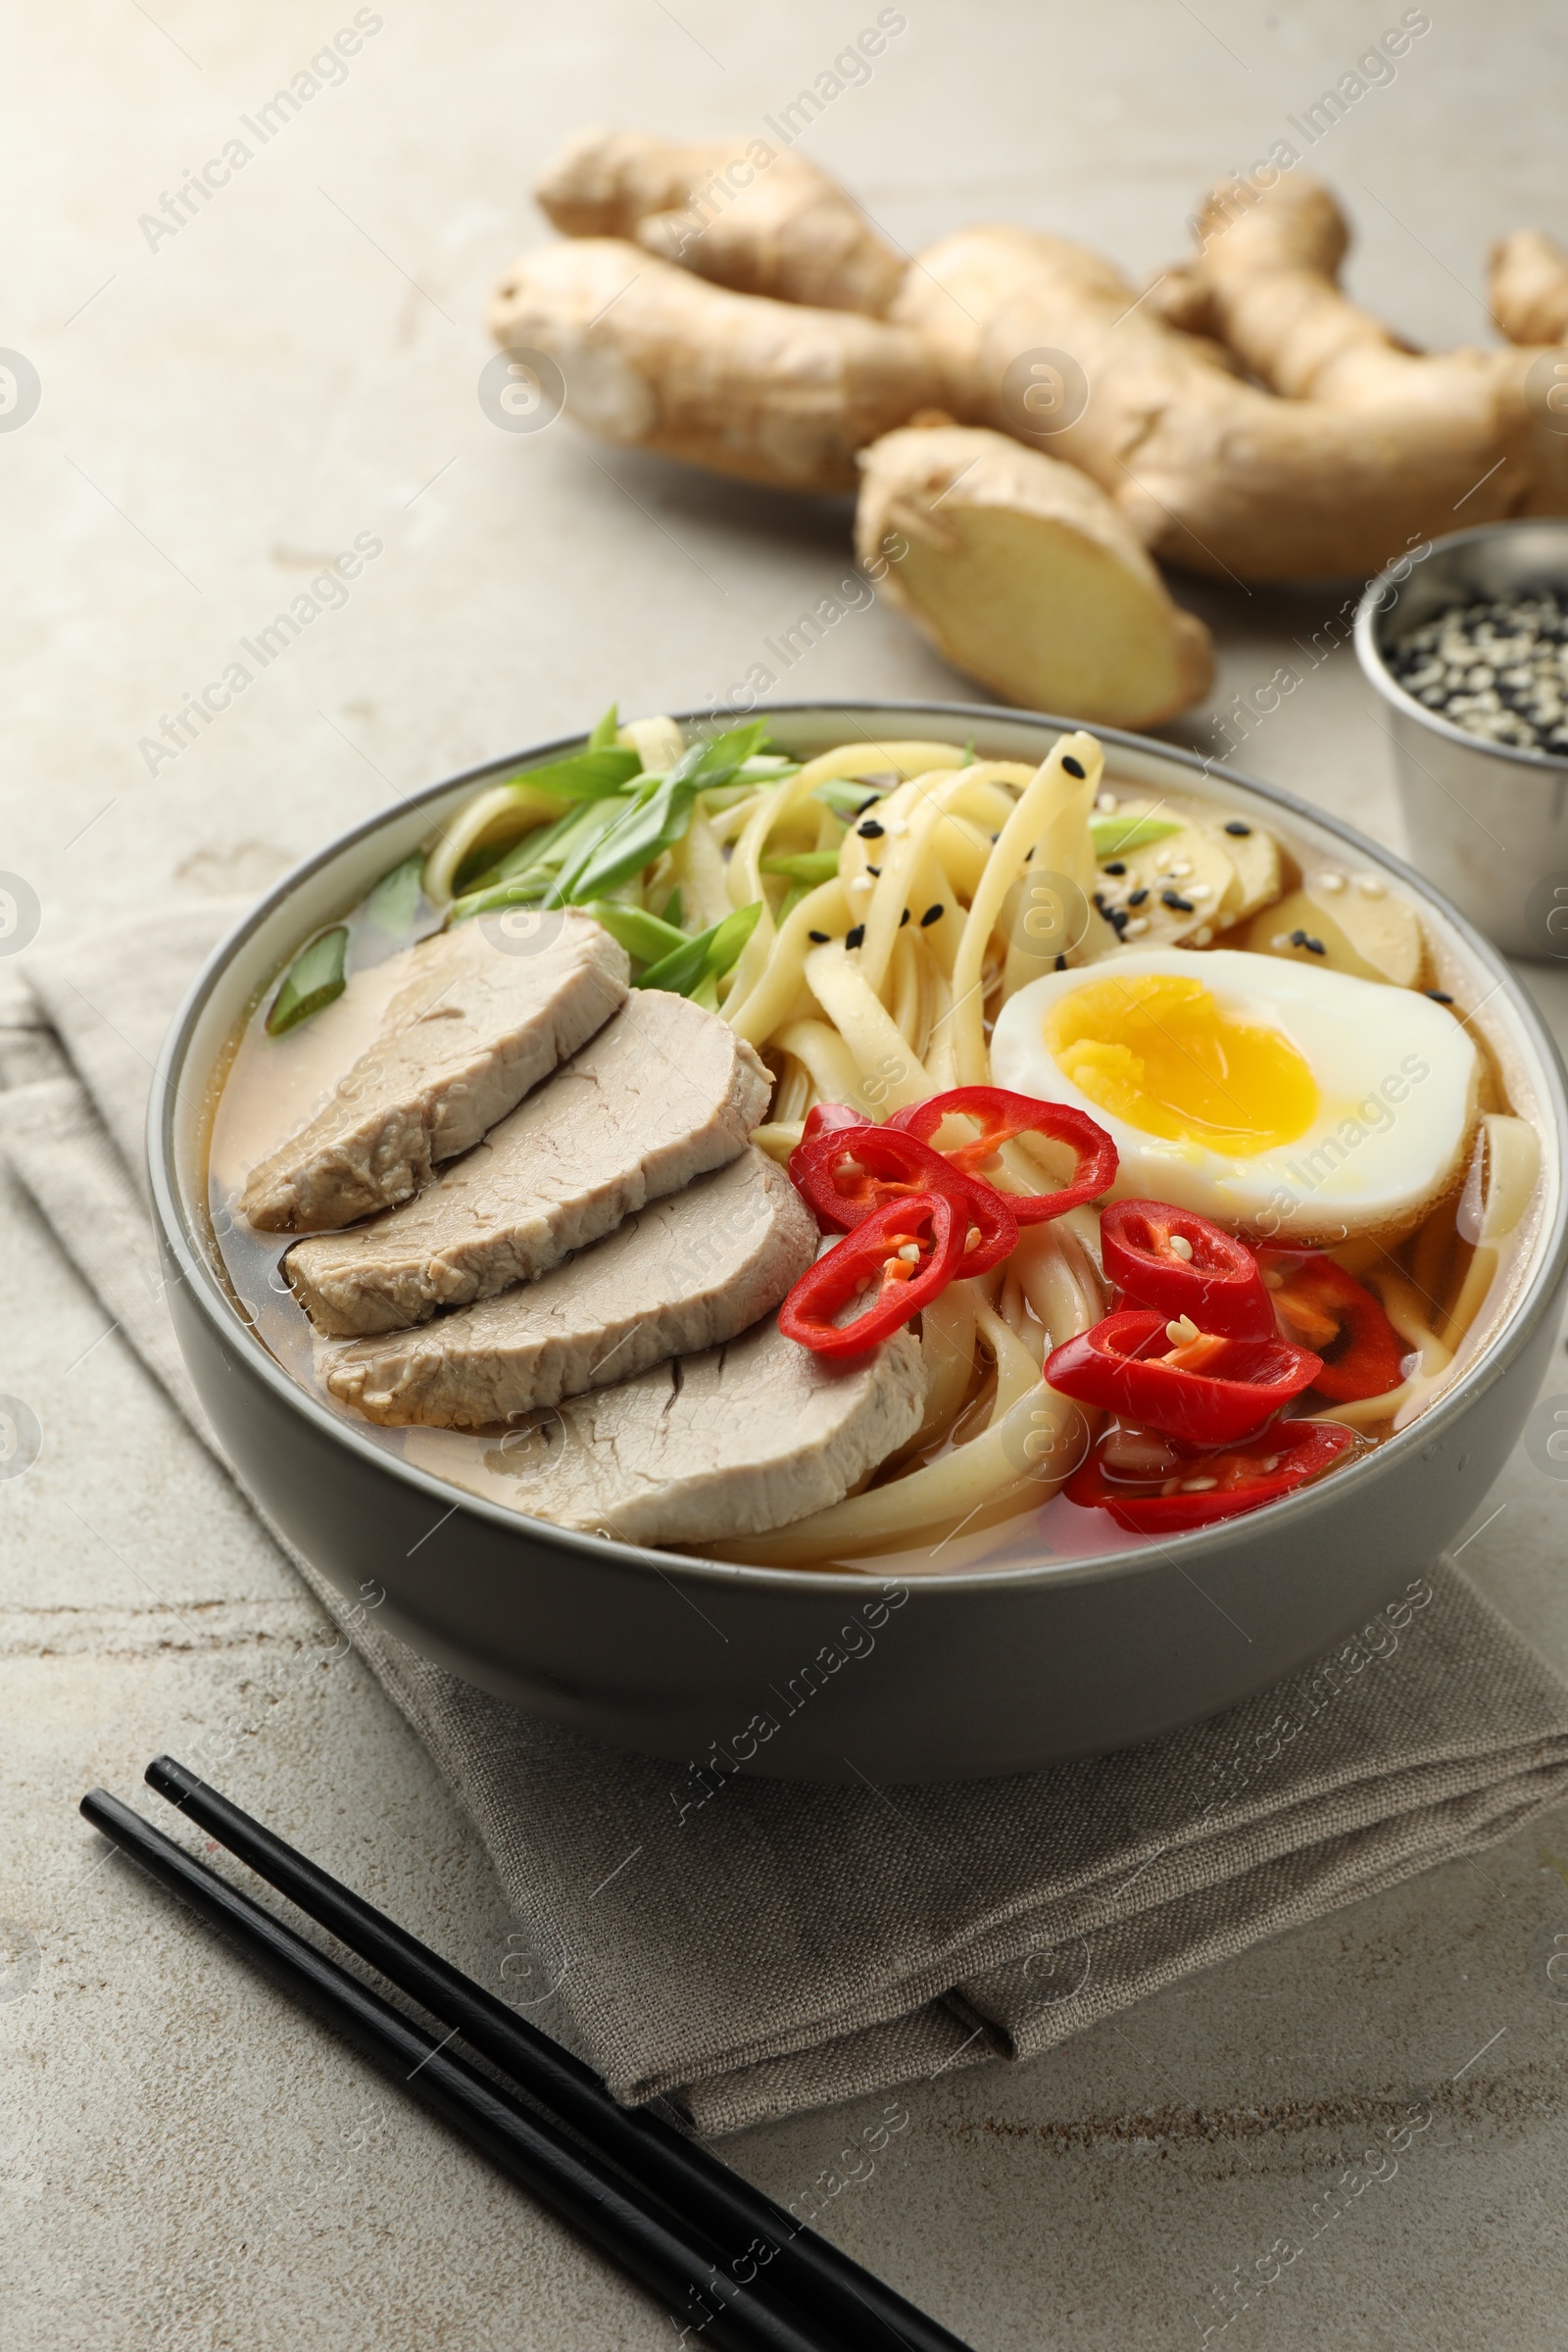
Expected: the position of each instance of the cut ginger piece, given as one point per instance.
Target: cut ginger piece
(1023, 575)
(1350, 922)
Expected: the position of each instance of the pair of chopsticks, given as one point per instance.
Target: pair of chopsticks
(736, 2269)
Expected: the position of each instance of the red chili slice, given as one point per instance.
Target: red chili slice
(1209, 1391)
(1001, 1116)
(1215, 1485)
(827, 1118)
(1337, 1316)
(1169, 1257)
(933, 1223)
(845, 1173)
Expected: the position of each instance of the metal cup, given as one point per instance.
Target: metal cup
(1488, 823)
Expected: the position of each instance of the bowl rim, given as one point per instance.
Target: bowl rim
(1369, 652)
(201, 1284)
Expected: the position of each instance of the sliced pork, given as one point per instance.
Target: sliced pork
(741, 1440)
(664, 1092)
(487, 1012)
(693, 1269)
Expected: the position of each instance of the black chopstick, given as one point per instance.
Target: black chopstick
(612, 2214)
(740, 2220)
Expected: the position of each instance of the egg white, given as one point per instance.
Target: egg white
(1397, 1079)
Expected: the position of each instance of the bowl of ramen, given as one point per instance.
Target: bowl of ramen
(896, 1239)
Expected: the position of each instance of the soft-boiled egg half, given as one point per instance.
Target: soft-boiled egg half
(1296, 1102)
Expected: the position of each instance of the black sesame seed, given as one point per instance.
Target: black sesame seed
(1236, 827)
(875, 869)
(1116, 868)
(1074, 767)
(1297, 939)
(871, 830)
(1118, 917)
(903, 918)
(1438, 997)
(932, 914)
(1314, 947)
(857, 937)
(819, 938)
(1061, 964)
(1136, 898)
(1174, 900)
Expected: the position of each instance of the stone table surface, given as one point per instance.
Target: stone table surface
(183, 2160)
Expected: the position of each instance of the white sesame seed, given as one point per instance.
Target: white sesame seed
(1107, 803)
(1370, 887)
(1331, 881)
(1136, 927)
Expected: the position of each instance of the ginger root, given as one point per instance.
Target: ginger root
(1529, 288)
(738, 212)
(1245, 418)
(1347, 450)
(1023, 573)
(656, 359)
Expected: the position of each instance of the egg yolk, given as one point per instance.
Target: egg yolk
(1158, 1052)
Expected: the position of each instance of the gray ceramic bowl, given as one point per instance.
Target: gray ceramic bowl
(953, 1675)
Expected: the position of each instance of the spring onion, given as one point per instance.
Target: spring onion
(706, 958)
(805, 865)
(312, 981)
(659, 813)
(395, 900)
(1113, 835)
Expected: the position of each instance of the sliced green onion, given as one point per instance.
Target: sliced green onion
(671, 912)
(642, 935)
(395, 900)
(968, 753)
(792, 898)
(1111, 834)
(659, 816)
(313, 980)
(705, 957)
(585, 775)
(603, 738)
(805, 866)
(846, 797)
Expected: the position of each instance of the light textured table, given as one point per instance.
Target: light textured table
(185, 2162)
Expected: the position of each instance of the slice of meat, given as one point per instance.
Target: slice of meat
(693, 1269)
(746, 1438)
(663, 1093)
(486, 1013)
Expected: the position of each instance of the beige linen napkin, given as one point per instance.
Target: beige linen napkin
(780, 1946)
